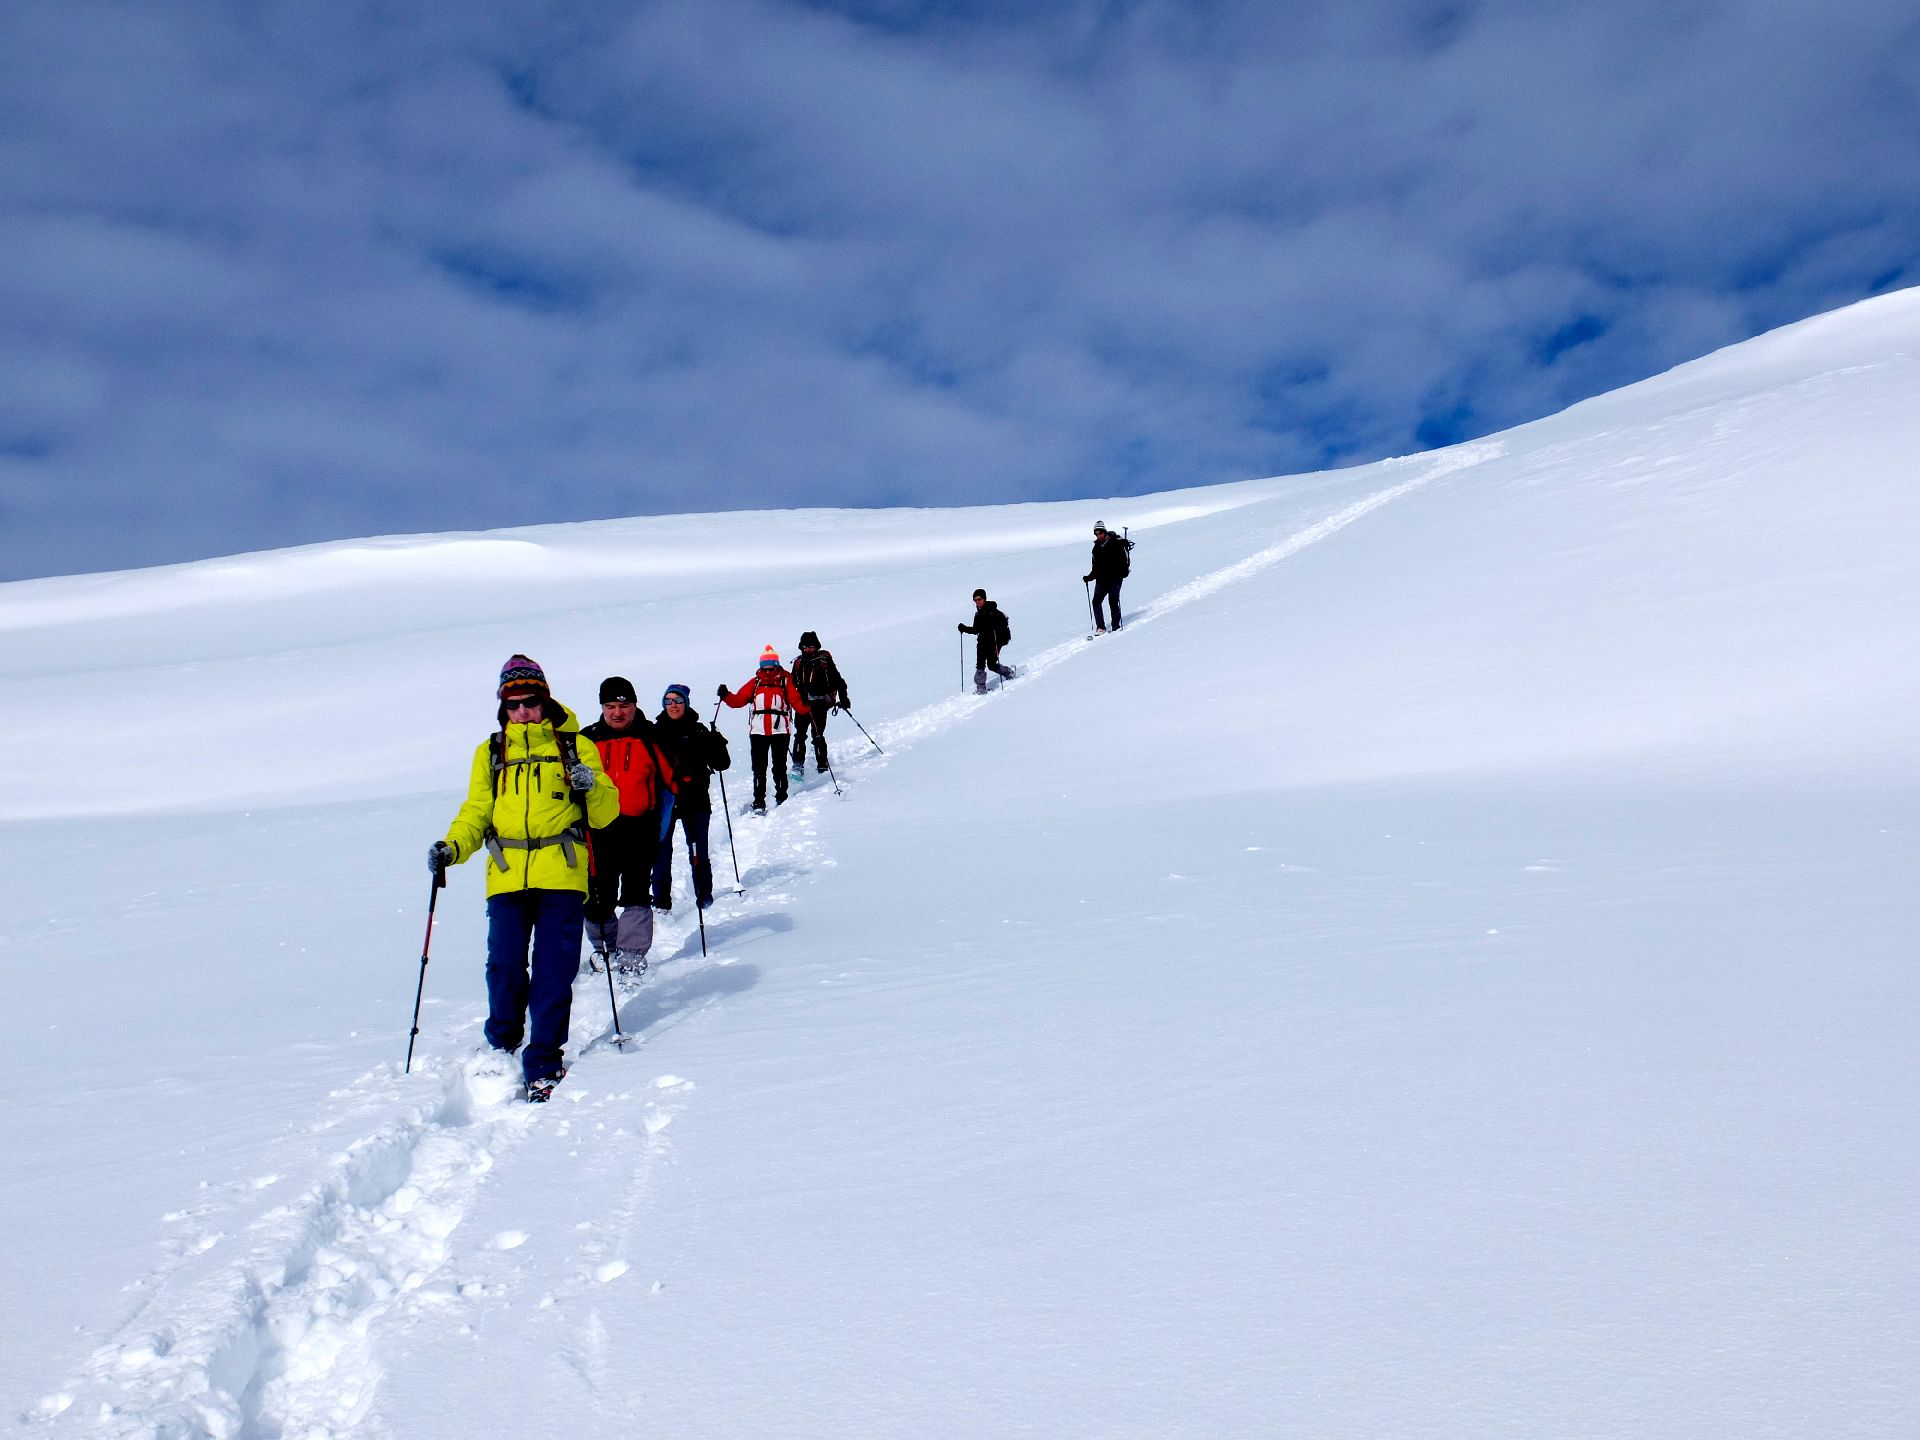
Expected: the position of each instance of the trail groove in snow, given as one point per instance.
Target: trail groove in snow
(281, 1342)
(930, 719)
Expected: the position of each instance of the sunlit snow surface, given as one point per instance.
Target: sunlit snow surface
(1447, 968)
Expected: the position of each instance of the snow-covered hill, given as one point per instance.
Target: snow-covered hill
(1445, 969)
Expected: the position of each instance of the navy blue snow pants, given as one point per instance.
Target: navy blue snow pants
(551, 921)
(693, 823)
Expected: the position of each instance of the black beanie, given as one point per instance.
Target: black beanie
(617, 687)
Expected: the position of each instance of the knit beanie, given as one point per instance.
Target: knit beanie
(521, 674)
(1099, 527)
(769, 657)
(686, 695)
(617, 689)
(809, 638)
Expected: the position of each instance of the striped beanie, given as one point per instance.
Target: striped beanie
(769, 657)
(521, 674)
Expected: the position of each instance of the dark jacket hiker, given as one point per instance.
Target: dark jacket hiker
(992, 633)
(1112, 562)
(694, 752)
(821, 684)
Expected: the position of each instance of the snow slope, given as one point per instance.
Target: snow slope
(1444, 970)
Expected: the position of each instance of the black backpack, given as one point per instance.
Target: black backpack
(1126, 557)
(1006, 628)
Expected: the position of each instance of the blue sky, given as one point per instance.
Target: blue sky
(273, 273)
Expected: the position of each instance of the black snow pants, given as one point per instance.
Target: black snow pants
(763, 747)
(816, 717)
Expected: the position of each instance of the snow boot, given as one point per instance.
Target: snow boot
(540, 1091)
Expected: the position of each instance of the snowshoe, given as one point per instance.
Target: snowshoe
(629, 964)
(540, 1091)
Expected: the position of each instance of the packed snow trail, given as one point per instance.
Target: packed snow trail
(281, 1339)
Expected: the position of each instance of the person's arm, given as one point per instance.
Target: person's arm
(796, 699)
(469, 828)
(736, 699)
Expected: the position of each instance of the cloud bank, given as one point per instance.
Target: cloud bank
(272, 273)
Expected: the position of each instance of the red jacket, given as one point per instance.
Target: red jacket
(635, 765)
(775, 700)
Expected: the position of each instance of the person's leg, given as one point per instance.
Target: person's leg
(1113, 602)
(556, 918)
(819, 718)
(509, 925)
(1099, 594)
(634, 933)
(661, 884)
(780, 773)
(696, 825)
(757, 746)
(603, 884)
(799, 757)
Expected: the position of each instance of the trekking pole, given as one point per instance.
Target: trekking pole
(963, 664)
(433, 900)
(726, 808)
(1090, 610)
(613, 1004)
(831, 776)
(699, 911)
(863, 730)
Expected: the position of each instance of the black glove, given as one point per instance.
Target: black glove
(961, 628)
(1087, 578)
(721, 693)
(846, 704)
(439, 856)
(580, 778)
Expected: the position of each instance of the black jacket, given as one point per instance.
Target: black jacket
(695, 750)
(1110, 559)
(819, 680)
(992, 630)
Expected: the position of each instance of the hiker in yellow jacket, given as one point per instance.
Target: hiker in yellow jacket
(536, 787)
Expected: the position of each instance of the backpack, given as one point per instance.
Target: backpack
(1126, 557)
(565, 741)
(817, 677)
(1006, 629)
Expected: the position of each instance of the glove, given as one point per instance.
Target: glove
(1087, 578)
(721, 693)
(580, 778)
(439, 856)
(961, 628)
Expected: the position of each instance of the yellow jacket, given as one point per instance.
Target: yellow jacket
(522, 817)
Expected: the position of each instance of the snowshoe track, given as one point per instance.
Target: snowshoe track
(280, 1341)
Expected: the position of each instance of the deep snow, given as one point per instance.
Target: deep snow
(1445, 969)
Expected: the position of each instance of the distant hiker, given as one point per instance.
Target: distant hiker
(775, 702)
(625, 848)
(992, 634)
(694, 751)
(1112, 563)
(535, 788)
(823, 687)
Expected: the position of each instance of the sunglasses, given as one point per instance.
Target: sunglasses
(524, 702)
(673, 700)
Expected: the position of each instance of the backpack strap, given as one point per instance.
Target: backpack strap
(567, 743)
